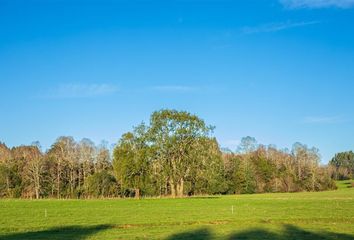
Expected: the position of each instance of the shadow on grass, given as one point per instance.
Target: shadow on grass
(67, 233)
(200, 234)
(290, 233)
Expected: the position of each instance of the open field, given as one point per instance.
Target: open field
(321, 215)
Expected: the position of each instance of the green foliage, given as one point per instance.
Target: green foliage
(4, 173)
(10, 182)
(170, 156)
(102, 184)
(344, 165)
(177, 138)
(265, 171)
(131, 161)
(245, 177)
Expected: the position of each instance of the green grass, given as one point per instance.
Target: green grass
(321, 215)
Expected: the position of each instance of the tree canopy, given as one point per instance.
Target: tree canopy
(175, 154)
(343, 163)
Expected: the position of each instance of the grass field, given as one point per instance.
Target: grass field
(321, 215)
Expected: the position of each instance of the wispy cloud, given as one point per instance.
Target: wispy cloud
(293, 4)
(174, 88)
(322, 120)
(275, 27)
(74, 90)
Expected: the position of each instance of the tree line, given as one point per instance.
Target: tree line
(68, 169)
(342, 166)
(174, 155)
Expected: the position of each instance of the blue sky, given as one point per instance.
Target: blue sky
(281, 71)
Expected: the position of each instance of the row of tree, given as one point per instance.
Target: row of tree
(68, 169)
(268, 169)
(174, 155)
(342, 166)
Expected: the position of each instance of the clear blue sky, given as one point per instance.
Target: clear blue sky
(281, 71)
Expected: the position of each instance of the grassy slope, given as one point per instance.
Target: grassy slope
(322, 215)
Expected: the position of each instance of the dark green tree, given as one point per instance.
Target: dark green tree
(344, 164)
(102, 184)
(131, 161)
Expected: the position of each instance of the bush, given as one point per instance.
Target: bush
(102, 184)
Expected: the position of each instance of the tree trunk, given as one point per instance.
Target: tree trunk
(173, 188)
(79, 178)
(84, 174)
(72, 182)
(37, 184)
(37, 193)
(8, 185)
(313, 179)
(58, 182)
(299, 170)
(137, 193)
(180, 187)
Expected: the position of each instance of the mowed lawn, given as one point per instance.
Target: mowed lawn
(321, 215)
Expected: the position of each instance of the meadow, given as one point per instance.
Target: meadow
(316, 215)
